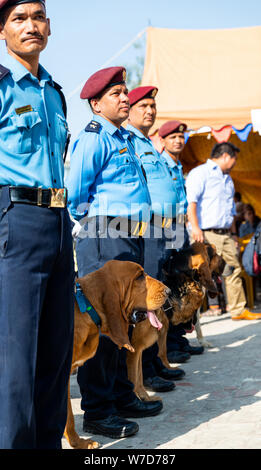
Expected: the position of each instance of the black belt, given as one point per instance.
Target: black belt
(163, 222)
(52, 197)
(219, 231)
(131, 227)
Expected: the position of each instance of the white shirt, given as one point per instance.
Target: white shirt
(213, 192)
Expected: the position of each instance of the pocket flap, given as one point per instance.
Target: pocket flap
(26, 120)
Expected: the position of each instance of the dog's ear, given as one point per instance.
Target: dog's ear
(117, 321)
(206, 278)
(114, 283)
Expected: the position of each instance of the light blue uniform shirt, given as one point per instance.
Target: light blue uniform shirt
(213, 191)
(106, 176)
(33, 129)
(162, 190)
(176, 171)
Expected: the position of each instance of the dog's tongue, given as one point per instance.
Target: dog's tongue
(154, 320)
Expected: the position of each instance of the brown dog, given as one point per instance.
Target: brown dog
(187, 273)
(217, 265)
(118, 291)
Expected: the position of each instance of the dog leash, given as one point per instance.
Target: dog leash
(85, 306)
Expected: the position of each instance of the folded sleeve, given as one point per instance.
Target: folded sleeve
(195, 183)
(87, 160)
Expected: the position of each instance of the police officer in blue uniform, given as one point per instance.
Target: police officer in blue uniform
(36, 259)
(108, 195)
(164, 198)
(172, 134)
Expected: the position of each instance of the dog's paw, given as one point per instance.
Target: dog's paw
(87, 444)
(206, 343)
(144, 396)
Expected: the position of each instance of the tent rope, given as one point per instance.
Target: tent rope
(111, 59)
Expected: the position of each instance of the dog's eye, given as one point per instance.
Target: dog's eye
(140, 277)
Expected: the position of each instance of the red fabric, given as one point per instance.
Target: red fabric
(223, 134)
(142, 92)
(256, 267)
(172, 126)
(102, 79)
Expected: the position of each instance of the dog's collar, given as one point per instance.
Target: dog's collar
(85, 306)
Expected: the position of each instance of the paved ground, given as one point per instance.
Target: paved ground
(218, 403)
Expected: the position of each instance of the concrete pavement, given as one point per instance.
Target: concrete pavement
(218, 403)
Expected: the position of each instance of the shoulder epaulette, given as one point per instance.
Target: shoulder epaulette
(3, 71)
(93, 126)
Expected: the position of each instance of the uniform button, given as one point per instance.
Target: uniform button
(54, 181)
(52, 154)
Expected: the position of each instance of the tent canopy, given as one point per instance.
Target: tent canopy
(205, 77)
(210, 78)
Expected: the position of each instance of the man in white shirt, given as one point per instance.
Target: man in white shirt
(211, 213)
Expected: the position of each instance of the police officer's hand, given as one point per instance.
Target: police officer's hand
(197, 234)
(76, 229)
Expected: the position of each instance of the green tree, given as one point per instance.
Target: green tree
(136, 67)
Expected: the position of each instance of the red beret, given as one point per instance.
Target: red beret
(170, 127)
(142, 92)
(101, 80)
(11, 3)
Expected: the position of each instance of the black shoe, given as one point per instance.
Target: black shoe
(140, 409)
(112, 426)
(157, 384)
(178, 356)
(192, 350)
(169, 374)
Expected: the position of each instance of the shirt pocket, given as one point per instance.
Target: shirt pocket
(62, 132)
(26, 132)
(154, 168)
(126, 171)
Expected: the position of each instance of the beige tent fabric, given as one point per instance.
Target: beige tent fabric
(205, 77)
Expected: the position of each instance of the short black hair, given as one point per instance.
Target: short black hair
(2, 18)
(224, 147)
(238, 196)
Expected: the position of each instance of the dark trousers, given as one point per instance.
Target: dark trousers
(103, 380)
(36, 324)
(155, 254)
(176, 334)
(157, 251)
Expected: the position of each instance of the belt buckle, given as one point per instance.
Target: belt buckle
(39, 196)
(181, 218)
(166, 222)
(140, 229)
(58, 197)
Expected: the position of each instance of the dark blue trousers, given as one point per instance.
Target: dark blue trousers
(36, 324)
(157, 251)
(155, 254)
(103, 380)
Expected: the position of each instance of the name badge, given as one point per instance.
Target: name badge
(24, 109)
(121, 151)
(148, 153)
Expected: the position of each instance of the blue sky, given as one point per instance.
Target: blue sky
(87, 33)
